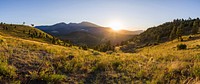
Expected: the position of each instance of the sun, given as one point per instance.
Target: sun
(115, 25)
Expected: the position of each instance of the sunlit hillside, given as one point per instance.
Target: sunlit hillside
(26, 32)
(31, 61)
(99, 42)
(29, 33)
(171, 65)
(28, 61)
(165, 32)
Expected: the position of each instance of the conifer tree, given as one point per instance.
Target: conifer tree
(54, 40)
(173, 33)
(195, 27)
(179, 31)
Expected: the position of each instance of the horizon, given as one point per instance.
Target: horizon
(132, 14)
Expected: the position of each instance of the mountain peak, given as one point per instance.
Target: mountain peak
(85, 22)
(82, 24)
(61, 23)
(89, 24)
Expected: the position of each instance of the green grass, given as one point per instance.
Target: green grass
(22, 31)
(30, 61)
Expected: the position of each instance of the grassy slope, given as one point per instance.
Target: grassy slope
(30, 61)
(166, 63)
(169, 48)
(22, 31)
(31, 56)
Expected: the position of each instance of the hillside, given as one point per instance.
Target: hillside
(29, 33)
(26, 61)
(82, 38)
(170, 65)
(163, 33)
(130, 42)
(86, 33)
(25, 32)
(29, 59)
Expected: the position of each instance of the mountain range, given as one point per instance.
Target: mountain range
(86, 33)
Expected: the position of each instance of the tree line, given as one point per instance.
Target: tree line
(166, 32)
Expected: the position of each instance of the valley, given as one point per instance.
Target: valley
(88, 34)
(27, 57)
(99, 42)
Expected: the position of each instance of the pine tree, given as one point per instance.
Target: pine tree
(189, 18)
(179, 32)
(40, 35)
(54, 40)
(32, 25)
(6, 28)
(84, 47)
(195, 27)
(173, 33)
(29, 32)
(158, 38)
(109, 46)
(24, 31)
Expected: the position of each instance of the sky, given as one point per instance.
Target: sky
(133, 14)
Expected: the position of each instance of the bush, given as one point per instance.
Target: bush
(100, 67)
(196, 70)
(96, 53)
(6, 70)
(1, 41)
(54, 78)
(46, 78)
(181, 46)
(85, 47)
(116, 64)
(197, 46)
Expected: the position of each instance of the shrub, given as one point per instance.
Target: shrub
(196, 70)
(99, 67)
(96, 53)
(1, 41)
(190, 37)
(46, 78)
(116, 64)
(7, 70)
(181, 46)
(54, 78)
(197, 46)
(84, 47)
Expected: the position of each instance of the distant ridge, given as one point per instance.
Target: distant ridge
(80, 33)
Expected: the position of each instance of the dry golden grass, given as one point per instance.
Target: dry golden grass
(41, 62)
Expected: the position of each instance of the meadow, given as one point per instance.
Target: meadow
(28, 61)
